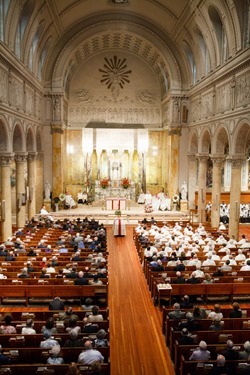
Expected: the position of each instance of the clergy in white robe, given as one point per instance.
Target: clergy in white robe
(119, 227)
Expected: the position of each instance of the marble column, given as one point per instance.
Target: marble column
(173, 158)
(235, 192)
(57, 159)
(31, 184)
(216, 190)
(6, 212)
(20, 190)
(202, 186)
(192, 173)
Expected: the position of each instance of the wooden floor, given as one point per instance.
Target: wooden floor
(137, 345)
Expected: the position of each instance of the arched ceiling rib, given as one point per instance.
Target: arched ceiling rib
(123, 32)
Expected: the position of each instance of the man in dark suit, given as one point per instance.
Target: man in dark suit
(80, 280)
(87, 274)
(179, 279)
(73, 274)
(230, 353)
(180, 266)
(186, 338)
(77, 257)
(236, 312)
(56, 304)
(193, 279)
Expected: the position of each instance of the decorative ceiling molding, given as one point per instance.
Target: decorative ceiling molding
(118, 2)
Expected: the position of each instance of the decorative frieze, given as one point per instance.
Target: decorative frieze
(195, 109)
(243, 90)
(223, 98)
(207, 105)
(3, 85)
(15, 92)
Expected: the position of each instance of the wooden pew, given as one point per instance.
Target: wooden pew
(190, 367)
(186, 350)
(211, 337)
(38, 355)
(27, 293)
(31, 369)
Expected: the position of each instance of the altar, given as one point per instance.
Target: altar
(114, 190)
(113, 204)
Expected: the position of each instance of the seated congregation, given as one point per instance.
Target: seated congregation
(199, 278)
(61, 268)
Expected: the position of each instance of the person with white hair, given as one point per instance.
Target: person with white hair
(245, 354)
(230, 353)
(201, 353)
(55, 356)
(176, 314)
(220, 367)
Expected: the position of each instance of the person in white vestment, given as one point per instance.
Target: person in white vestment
(69, 201)
(43, 211)
(119, 227)
(141, 198)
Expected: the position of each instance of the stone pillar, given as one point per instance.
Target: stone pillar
(192, 170)
(216, 191)
(57, 164)
(31, 185)
(20, 190)
(235, 191)
(173, 158)
(202, 186)
(6, 214)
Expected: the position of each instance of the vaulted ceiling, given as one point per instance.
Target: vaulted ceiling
(177, 39)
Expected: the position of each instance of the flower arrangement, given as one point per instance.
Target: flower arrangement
(62, 197)
(104, 183)
(148, 208)
(125, 183)
(175, 198)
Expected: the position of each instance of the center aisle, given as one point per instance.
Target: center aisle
(137, 346)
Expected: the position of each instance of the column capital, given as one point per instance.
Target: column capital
(56, 129)
(202, 157)
(174, 130)
(21, 157)
(236, 161)
(218, 159)
(5, 159)
(32, 156)
(192, 157)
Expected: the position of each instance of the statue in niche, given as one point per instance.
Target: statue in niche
(115, 170)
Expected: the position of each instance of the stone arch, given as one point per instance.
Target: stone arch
(4, 139)
(30, 140)
(39, 143)
(219, 13)
(241, 138)
(193, 143)
(221, 143)
(66, 63)
(205, 142)
(18, 138)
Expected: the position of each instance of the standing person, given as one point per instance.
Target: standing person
(119, 227)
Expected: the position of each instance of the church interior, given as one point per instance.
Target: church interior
(135, 108)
